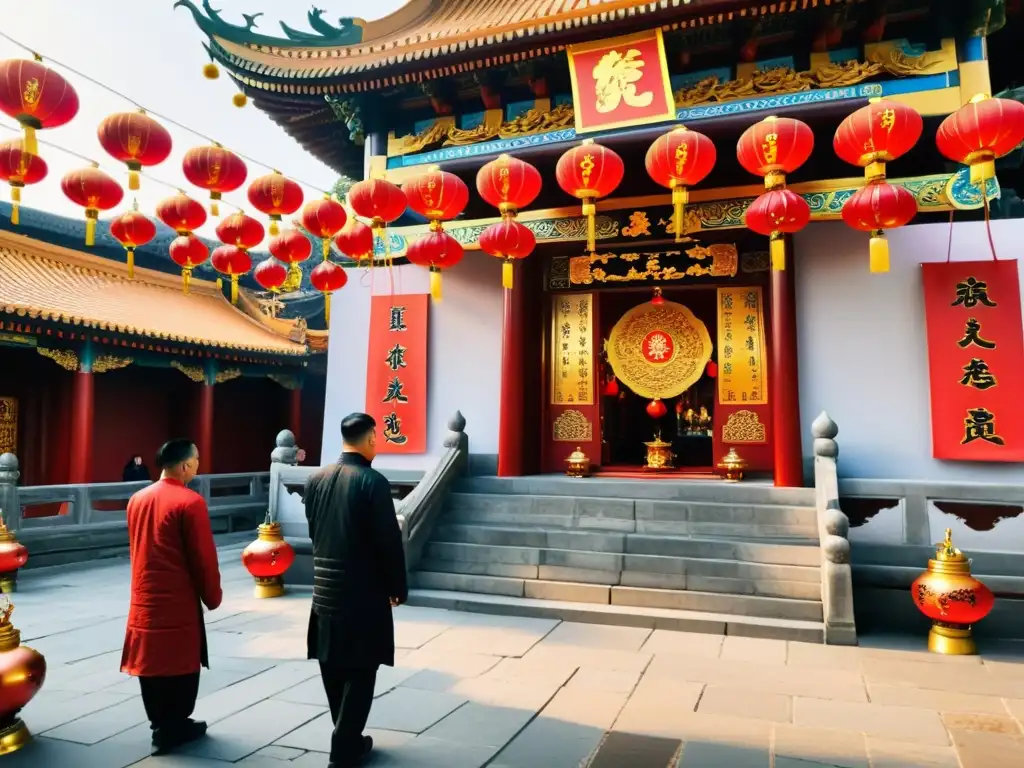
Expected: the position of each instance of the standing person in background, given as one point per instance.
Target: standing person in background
(135, 471)
(358, 577)
(174, 573)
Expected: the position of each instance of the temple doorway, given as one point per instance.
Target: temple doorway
(657, 363)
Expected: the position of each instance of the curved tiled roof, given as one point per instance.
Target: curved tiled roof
(40, 280)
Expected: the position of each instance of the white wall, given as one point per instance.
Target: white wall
(863, 352)
(463, 358)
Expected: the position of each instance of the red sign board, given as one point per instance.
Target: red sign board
(620, 82)
(975, 359)
(396, 372)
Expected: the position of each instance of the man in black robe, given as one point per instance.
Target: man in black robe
(358, 577)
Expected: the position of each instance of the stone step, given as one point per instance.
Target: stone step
(680, 600)
(643, 516)
(611, 569)
(659, 489)
(746, 550)
(621, 615)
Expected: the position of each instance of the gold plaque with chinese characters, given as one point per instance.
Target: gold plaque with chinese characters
(572, 349)
(741, 372)
(659, 350)
(8, 425)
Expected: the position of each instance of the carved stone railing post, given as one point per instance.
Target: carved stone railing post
(833, 530)
(286, 451)
(9, 504)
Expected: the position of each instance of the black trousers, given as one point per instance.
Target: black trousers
(169, 701)
(350, 696)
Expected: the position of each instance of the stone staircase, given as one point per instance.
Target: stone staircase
(739, 559)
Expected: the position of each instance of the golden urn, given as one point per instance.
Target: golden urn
(732, 466)
(267, 559)
(659, 454)
(953, 599)
(577, 465)
(22, 673)
(13, 555)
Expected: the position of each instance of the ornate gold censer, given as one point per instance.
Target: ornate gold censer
(577, 465)
(659, 454)
(732, 466)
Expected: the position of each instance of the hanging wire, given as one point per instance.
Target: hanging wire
(39, 57)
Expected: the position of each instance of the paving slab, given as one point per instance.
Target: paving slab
(597, 636)
(885, 753)
(686, 643)
(251, 729)
(821, 746)
(738, 701)
(412, 710)
(978, 749)
(921, 726)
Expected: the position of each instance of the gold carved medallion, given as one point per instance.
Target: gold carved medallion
(744, 427)
(659, 350)
(573, 427)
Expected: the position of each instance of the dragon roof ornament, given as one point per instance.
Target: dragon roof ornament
(325, 35)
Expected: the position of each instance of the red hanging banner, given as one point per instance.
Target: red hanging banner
(975, 359)
(396, 372)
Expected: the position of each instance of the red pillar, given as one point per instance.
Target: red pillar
(82, 417)
(784, 378)
(204, 436)
(295, 413)
(510, 418)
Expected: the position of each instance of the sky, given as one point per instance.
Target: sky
(152, 52)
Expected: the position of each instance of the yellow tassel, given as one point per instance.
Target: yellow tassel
(778, 251)
(327, 247)
(234, 289)
(590, 211)
(211, 71)
(680, 197)
(239, 100)
(435, 283)
(16, 194)
(186, 279)
(983, 171)
(30, 146)
(90, 231)
(327, 309)
(15, 214)
(131, 263)
(878, 251)
(214, 209)
(274, 228)
(133, 179)
(506, 274)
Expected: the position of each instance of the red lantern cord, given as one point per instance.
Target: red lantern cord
(132, 230)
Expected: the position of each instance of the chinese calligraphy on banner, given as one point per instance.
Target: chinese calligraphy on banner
(620, 81)
(396, 372)
(572, 349)
(975, 359)
(741, 374)
(8, 425)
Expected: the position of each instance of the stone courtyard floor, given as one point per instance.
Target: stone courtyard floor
(472, 690)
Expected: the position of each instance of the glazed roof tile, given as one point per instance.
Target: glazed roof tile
(44, 281)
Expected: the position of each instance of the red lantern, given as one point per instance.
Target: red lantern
(778, 212)
(35, 96)
(291, 247)
(711, 369)
(775, 147)
(679, 159)
(588, 172)
(979, 133)
(19, 168)
(611, 387)
(507, 240)
(877, 134)
(276, 196)
(188, 252)
(656, 409)
(953, 599)
(327, 277)
(132, 229)
(135, 139)
(379, 201)
(437, 195)
(181, 213)
(216, 169)
(22, 672)
(874, 208)
(240, 230)
(232, 261)
(271, 274)
(95, 191)
(355, 240)
(13, 555)
(436, 250)
(267, 559)
(508, 184)
(657, 299)
(323, 219)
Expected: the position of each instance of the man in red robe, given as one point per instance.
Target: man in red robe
(174, 569)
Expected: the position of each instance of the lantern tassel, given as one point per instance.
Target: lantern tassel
(274, 228)
(214, 208)
(15, 201)
(590, 211)
(91, 214)
(778, 252)
(435, 284)
(327, 309)
(327, 247)
(680, 197)
(131, 262)
(186, 279)
(30, 146)
(982, 172)
(878, 252)
(234, 289)
(506, 274)
(133, 179)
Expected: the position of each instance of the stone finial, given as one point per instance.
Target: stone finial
(285, 439)
(286, 451)
(457, 423)
(837, 549)
(824, 431)
(836, 522)
(456, 436)
(9, 468)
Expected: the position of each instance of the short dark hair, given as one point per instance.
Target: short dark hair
(356, 426)
(175, 452)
